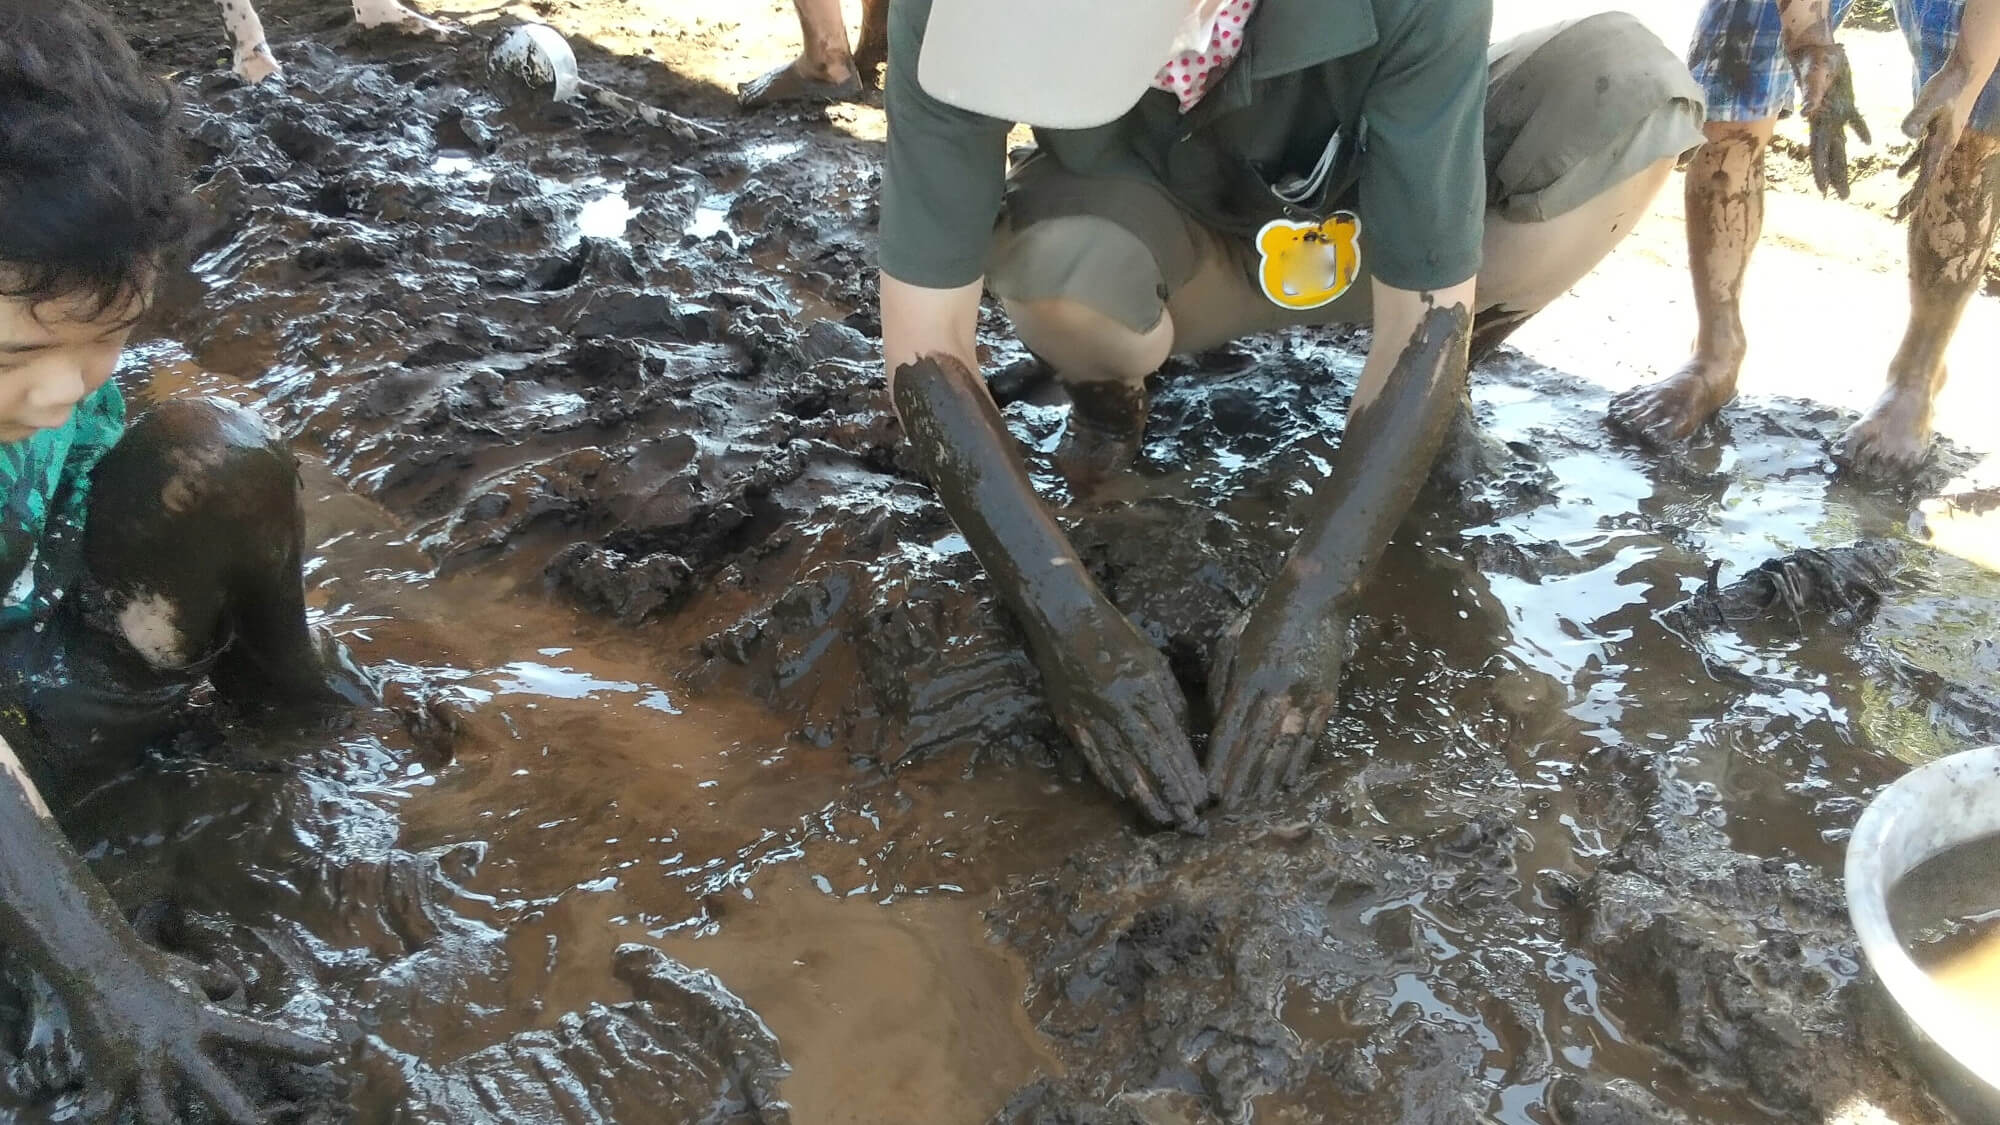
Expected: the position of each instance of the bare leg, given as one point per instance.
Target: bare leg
(254, 60)
(1951, 230)
(1725, 215)
(823, 72)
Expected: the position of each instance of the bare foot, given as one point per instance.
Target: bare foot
(802, 81)
(1665, 412)
(1892, 441)
(391, 13)
(258, 65)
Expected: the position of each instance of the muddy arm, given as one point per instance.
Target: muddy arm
(1280, 671)
(1947, 100)
(1107, 687)
(1826, 84)
(139, 1031)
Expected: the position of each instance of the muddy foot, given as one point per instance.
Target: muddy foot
(1107, 424)
(258, 65)
(1891, 442)
(787, 84)
(394, 15)
(1667, 411)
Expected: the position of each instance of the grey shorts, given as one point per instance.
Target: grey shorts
(1557, 137)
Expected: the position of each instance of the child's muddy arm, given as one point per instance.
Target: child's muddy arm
(1109, 689)
(140, 1033)
(1281, 674)
(1947, 100)
(1826, 85)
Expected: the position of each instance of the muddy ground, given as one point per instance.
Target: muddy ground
(717, 789)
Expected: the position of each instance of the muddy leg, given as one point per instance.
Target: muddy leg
(1469, 451)
(254, 61)
(193, 543)
(823, 72)
(393, 13)
(1104, 366)
(1725, 215)
(871, 50)
(1951, 230)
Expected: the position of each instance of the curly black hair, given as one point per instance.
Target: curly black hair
(94, 197)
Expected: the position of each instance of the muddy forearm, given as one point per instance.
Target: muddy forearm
(962, 445)
(1805, 24)
(51, 907)
(1386, 454)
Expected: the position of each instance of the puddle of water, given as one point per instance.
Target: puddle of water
(887, 1013)
(711, 216)
(1947, 912)
(605, 216)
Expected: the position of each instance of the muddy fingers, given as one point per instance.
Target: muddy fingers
(151, 1101)
(259, 1037)
(1831, 119)
(216, 1089)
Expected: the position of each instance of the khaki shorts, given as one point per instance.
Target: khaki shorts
(1556, 138)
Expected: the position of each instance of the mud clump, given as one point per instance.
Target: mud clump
(1847, 582)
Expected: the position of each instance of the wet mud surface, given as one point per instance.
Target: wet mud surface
(717, 788)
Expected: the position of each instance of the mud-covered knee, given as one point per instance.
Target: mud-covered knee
(188, 453)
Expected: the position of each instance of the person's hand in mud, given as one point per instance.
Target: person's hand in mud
(144, 1036)
(1109, 689)
(1112, 693)
(147, 1031)
(1279, 671)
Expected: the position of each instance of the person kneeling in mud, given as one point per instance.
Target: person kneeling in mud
(139, 561)
(1745, 54)
(1210, 169)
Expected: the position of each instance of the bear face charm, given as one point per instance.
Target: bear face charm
(1306, 265)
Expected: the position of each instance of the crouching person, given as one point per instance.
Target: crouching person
(138, 560)
(1214, 169)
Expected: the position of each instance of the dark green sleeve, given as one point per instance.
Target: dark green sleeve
(1423, 179)
(944, 174)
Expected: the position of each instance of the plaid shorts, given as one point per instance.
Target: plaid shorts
(1738, 56)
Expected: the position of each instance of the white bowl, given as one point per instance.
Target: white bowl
(1932, 809)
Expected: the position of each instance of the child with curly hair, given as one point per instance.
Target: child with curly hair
(137, 559)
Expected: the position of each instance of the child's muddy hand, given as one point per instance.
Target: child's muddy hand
(1115, 697)
(1280, 681)
(145, 1036)
(1828, 83)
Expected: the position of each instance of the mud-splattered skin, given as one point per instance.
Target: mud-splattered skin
(143, 1034)
(1953, 210)
(1280, 670)
(192, 549)
(1725, 215)
(1109, 688)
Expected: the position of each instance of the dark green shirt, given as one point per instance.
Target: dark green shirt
(1401, 83)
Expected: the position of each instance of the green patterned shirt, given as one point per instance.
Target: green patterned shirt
(44, 492)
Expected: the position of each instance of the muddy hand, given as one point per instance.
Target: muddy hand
(1828, 82)
(1115, 697)
(1280, 677)
(145, 1035)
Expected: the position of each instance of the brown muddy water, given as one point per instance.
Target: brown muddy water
(715, 788)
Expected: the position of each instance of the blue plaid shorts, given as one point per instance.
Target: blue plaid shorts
(1738, 56)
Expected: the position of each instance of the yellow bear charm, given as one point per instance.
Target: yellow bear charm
(1306, 265)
